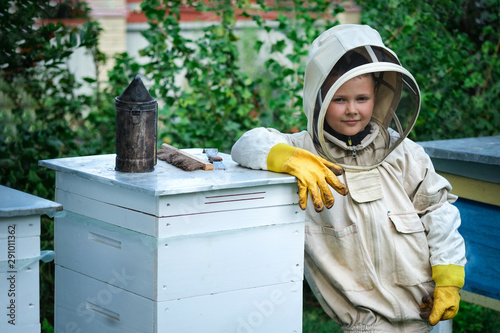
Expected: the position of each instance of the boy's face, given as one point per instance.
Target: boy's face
(350, 109)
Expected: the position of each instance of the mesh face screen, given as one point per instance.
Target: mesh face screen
(397, 101)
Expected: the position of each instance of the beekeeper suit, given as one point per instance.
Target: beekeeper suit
(392, 240)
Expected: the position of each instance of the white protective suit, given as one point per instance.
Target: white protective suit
(368, 259)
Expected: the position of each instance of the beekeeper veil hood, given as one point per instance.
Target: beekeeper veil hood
(339, 55)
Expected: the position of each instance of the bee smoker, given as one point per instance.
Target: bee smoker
(136, 129)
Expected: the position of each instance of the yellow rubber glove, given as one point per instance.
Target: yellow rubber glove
(313, 174)
(445, 301)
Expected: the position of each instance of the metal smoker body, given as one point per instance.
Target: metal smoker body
(136, 129)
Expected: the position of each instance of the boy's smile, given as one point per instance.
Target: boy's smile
(350, 109)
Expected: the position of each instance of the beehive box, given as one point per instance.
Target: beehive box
(176, 251)
(19, 257)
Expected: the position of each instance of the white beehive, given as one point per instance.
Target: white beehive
(175, 251)
(19, 259)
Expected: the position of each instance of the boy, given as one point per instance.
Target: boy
(390, 242)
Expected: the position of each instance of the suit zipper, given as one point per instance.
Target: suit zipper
(378, 260)
(349, 143)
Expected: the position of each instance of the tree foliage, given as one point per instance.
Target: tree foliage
(218, 100)
(41, 115)
(451, 47)
(214, 103)
(41, 112)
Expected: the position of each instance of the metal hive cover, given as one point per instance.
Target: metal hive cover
(167, 179)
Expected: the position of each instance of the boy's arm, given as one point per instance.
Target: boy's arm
(252, 148)
(441, 220)
(447, 249)
(268, 149)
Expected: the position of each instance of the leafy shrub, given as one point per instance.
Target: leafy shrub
(451, 47)
(41, 115)
(473, 318)
(218, 101)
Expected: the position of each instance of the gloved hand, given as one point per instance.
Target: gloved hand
(312, 172)
(442, 305)
(445, 301)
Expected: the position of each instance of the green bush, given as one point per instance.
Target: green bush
(41, 115)
(451, 47)
(219, 100)
(473, 318)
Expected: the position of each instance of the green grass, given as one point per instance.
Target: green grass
(314, 319)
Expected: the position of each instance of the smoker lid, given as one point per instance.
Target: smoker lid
(136, 93)
(167, 179)
(17, 203)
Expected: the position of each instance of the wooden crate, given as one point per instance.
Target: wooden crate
(175, 251)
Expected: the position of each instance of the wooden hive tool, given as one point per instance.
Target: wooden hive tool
(182, 160)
